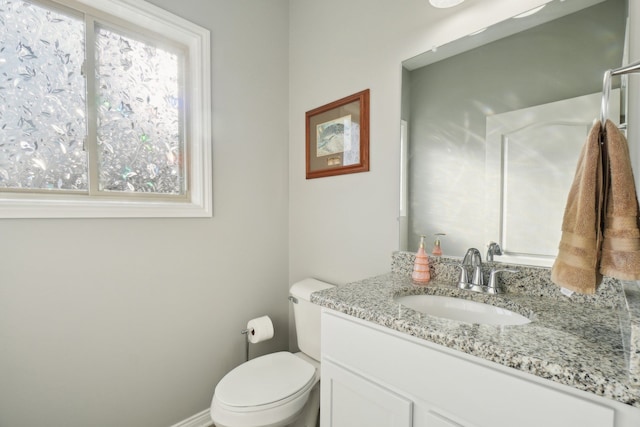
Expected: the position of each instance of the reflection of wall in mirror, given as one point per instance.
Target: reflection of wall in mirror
(449, 101)
(531, 157)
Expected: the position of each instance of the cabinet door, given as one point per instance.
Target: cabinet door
(349, 400)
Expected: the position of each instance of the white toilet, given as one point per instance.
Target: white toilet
(279, 389)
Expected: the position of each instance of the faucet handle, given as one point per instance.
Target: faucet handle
(463, 280)
(492, 287)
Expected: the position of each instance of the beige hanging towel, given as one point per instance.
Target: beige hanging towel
(576, 266)
(621, 244)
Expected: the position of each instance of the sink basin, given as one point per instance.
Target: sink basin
(462, 310)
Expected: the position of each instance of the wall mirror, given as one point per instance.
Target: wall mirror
(492, 126)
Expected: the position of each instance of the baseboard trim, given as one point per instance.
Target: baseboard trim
(201, 419)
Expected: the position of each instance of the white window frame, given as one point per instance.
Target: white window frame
(142, 15)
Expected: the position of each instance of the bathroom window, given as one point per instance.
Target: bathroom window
(100, 116)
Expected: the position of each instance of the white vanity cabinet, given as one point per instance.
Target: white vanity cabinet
(376, 377)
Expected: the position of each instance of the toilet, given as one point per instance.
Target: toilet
(279, 389)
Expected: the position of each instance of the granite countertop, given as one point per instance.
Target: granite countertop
(584, 343)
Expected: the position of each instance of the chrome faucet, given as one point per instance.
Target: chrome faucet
(493, 249)
(471, 259)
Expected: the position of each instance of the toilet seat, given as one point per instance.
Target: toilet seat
(264, 380)
(265, 391)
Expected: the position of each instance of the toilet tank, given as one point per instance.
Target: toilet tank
(307, 315)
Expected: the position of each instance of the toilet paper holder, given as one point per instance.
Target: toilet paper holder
(246, 333)
(257, 330)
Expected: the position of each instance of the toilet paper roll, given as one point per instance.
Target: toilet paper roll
(260, 329)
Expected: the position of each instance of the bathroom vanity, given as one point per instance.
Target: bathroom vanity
(384, 364)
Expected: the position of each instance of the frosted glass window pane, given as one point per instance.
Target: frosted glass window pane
(139, 116)
(42, 99)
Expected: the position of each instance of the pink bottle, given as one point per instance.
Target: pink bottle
(437, 250)
(421, 273)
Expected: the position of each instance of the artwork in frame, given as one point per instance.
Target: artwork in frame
(337, 139)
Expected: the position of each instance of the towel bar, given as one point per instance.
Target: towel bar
(606, 87)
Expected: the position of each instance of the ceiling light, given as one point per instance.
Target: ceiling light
(530, 12)
(445, 3)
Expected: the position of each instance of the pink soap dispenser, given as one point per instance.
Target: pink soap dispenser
(437, 250)
(421, 273)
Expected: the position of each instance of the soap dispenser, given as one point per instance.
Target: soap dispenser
(421, 273)
(437, 250)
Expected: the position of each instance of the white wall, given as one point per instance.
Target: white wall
(345, 228)
(132, 322)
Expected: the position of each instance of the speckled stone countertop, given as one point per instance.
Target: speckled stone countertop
(591, 343)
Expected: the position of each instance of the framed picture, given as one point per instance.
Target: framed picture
(338, 137)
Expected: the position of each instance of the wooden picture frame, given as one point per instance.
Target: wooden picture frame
(337, 139)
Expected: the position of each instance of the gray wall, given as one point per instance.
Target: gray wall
(132, 322)
(449, 102)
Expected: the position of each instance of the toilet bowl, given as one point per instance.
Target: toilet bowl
(278, 389)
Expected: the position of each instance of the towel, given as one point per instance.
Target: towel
(621, 244)
(576, 266)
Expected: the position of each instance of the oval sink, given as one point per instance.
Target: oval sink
(462, 310)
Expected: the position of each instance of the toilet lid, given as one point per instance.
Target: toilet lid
(264, 380)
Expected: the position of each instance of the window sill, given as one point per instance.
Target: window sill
(81, 207)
